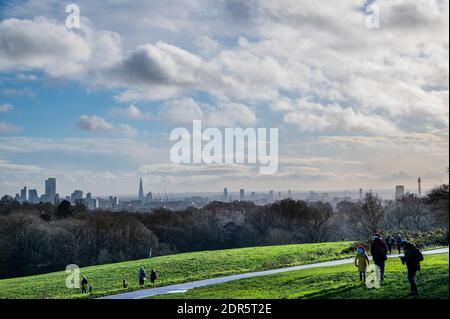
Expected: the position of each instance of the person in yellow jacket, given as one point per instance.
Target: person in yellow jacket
(362, 262)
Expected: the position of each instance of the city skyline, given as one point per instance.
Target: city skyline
(51, 195)
(354, 109)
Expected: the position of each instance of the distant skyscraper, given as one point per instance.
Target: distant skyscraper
(399, 192)
(33, 196)
(141, 191)
(271, 196)
(253, 196)
(149, 197)
(419, 182)
(289, 194)
(361, 194)
(241, 195)
(23, 194)
(226, 196)
(50, 189)
(77, 195)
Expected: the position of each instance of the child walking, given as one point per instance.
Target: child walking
(362, 262)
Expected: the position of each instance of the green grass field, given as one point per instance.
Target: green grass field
(337, 282)
(107, 279)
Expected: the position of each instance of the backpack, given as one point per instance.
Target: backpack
(417, 255)
(378, 249)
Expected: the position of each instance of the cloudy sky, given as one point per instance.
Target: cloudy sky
(94, 107)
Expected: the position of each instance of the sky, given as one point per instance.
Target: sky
(355, 106)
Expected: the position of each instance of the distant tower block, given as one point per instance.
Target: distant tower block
(141, 191)
(399, 192)
(361, 194)
(419, 182)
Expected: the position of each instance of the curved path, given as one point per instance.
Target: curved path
(144, 293)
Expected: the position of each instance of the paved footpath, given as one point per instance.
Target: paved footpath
(144, 293)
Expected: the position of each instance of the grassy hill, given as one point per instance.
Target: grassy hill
(337, 282)
(107, 279)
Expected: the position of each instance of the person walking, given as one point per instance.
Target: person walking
(399, 241)
(390, 241)
(142, 275)
(84, 285)
(412, 259)
(378, 250)
(362, 262)
(153, 276)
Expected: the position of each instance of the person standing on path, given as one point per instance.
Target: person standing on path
(378, 250)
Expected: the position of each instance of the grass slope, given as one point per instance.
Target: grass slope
(107, 279)
(337, 282)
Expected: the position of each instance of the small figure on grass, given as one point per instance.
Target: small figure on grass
(362, 262)
(142, 276)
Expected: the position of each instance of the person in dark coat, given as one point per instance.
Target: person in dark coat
(412, 259)
(399, 241)
(153, 276)
(390, 241)
(142, 276)
(378, 250)
(84, 285)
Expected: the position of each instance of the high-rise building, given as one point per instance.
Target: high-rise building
(50, 189)
(141, 191)
(360, 194)
(226, 196)
(77, 195)
(113, 201)
(241, 195)
(419, 191)
(253, 196)
(33, 196)
(271, 196)
(23, 194)
(149, 197)
(399, 192)
(289, 194)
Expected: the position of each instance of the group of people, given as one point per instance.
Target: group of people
(142, 277)
(379, 250)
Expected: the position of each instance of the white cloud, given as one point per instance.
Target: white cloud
(45, 45)
(8, 128)
(182, 111)
(313, 117)
(93, 123)
(132, 112)
(4, 108)
(224, 114)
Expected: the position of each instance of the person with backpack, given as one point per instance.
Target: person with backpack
(153, 276)
(362, 262)
(378, 250)
(412, 259)
(390, 241)
(142, 275)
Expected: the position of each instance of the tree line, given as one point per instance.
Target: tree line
(41, 238)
